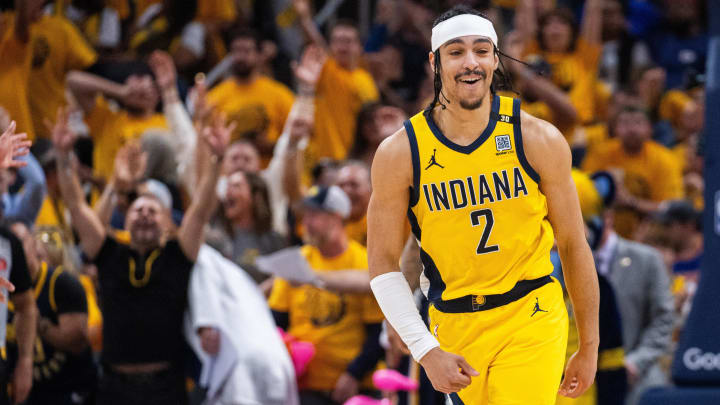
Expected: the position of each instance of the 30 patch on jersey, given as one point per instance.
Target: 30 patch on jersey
(502, 143)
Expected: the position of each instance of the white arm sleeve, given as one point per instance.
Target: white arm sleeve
(393, 294)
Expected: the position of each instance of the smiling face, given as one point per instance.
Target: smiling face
(466, 69)
(146, 220)
(238, 199)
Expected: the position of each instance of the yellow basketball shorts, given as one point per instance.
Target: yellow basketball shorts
(518, 349)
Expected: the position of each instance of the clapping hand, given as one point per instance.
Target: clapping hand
(13, 145)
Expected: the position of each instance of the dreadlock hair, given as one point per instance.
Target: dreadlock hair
(501, 79)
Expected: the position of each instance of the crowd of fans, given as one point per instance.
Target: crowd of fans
(250, 126)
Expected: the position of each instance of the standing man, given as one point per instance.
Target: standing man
(484, 216)
(343, 327)
(143, 285)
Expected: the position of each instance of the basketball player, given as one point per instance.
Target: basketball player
(487, 185)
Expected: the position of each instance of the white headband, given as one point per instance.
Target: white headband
(460, 26)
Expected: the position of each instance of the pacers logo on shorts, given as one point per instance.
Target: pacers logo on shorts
(478, 301)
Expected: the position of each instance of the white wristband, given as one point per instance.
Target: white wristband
(393, 294)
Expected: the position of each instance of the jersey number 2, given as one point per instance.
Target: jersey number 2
(489, 222)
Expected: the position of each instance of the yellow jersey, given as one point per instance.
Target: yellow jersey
(477, 210)
(333, 322)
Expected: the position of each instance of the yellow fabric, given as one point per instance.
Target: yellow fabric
(595, 135)
(334, 323)
(95, 319)
(259, 108)
(357, 231)
(590, 200)
(121, 6)
(611, 359)
(16, 59)
(216, 10)
(58, 47)
(521, 233)
(52, 213)
(672, 105)
(574, 73)
(518, 353)
(653, 174)
(111, 127)
(340, 95)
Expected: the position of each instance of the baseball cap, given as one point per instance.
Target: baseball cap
(329, 199)
(681, 211)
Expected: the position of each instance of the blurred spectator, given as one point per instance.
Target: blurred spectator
(640, 280)
(680, 41)
(344, 328)
(246, 222)
(28, 183)
(258, 104)
(58, 47)
(681, 224)
(569, 53)
(160, 25)
(143, 314)
(623, 54)
(64, 372)
(648, 172)
(99, 21)
(15, 269)
(16, 51)
(112, 126)
(354, 179)
(375, 123)
(342, 90)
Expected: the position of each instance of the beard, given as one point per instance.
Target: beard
(472, 105)
(242, 70)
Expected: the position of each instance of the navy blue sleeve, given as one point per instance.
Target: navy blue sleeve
(370, 354)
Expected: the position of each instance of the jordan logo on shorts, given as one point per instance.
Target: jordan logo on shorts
(537, 308)
(434, 162)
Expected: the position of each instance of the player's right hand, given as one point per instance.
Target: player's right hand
(447, 372)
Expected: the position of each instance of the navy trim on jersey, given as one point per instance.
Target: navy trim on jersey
(415, 155)
(414, 225)
(476, 143)
(437, 285)
(519, 145)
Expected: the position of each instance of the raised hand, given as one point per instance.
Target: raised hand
(130, 164)
(311, 63)
(5, 285)
(163, 67)
(217, 134)
(62, 136)
(302, 8)
(198, 99)
(13, 145)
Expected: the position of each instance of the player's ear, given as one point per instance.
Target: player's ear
(431, 58)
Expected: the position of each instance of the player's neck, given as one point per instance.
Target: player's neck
(463, 126)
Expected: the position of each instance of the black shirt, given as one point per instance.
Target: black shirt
(57, 292)
(143, 300)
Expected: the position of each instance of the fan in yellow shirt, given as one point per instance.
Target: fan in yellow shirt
(344, 328)
(58, 47)
(650, 173)
(258, 104)
(354, 179)
(344, 87)
(16, 54)
(111, 125)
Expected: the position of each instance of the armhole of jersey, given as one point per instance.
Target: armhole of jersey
(415, 155)
(51, 290)
(519, 144)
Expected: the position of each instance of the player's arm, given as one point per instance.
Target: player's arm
(549, 154)
(391, 177)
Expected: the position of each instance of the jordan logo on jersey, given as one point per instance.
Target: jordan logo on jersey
(434, 162)
(459, 193)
